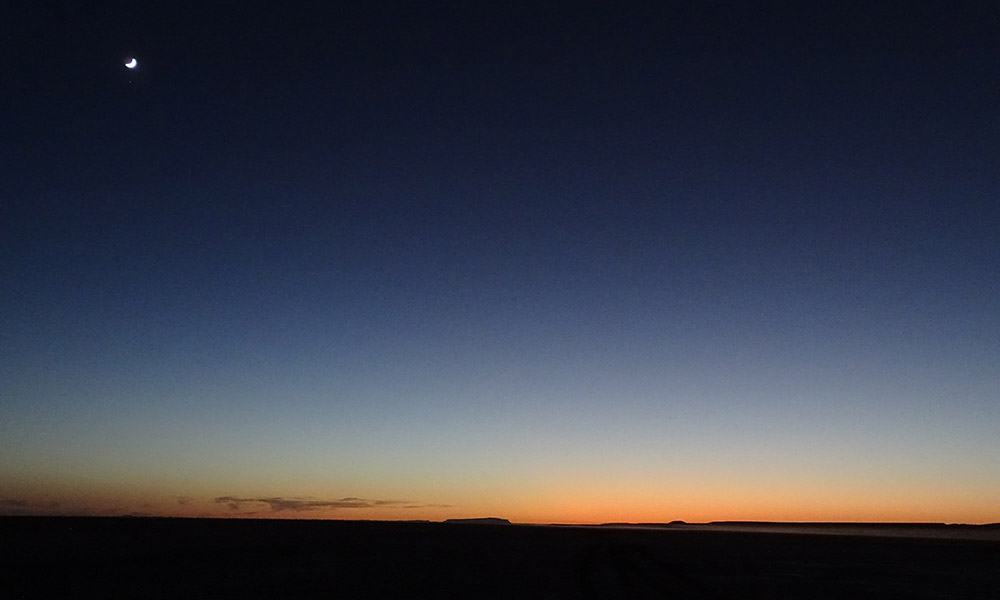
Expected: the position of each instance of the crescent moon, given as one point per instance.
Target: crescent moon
(132, 64)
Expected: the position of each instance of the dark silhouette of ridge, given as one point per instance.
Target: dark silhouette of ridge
(480, 521)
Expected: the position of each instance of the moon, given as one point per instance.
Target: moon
(132, 64)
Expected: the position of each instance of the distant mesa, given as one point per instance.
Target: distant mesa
(480, 521)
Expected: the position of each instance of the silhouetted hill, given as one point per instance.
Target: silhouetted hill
(480, 521)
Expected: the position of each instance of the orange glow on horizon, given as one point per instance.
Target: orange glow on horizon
(568, 502)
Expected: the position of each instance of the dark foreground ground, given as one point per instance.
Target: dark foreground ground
(244, 559)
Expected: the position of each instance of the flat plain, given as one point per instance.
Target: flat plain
(69, 557)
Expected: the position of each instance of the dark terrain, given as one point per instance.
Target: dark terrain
(205, 558)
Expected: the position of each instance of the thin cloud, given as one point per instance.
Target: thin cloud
(280, 504)
(231, 502)
(14, 502)
(184, 500)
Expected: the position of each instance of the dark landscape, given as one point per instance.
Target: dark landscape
(216, 558)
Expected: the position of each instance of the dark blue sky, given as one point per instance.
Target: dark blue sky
(508, 241)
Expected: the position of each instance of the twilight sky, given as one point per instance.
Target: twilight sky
(554, 262)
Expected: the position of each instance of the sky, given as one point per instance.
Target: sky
(572, 262)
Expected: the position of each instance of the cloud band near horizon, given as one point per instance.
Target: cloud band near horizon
(279, 504)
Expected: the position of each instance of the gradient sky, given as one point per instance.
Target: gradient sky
(570, 262)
